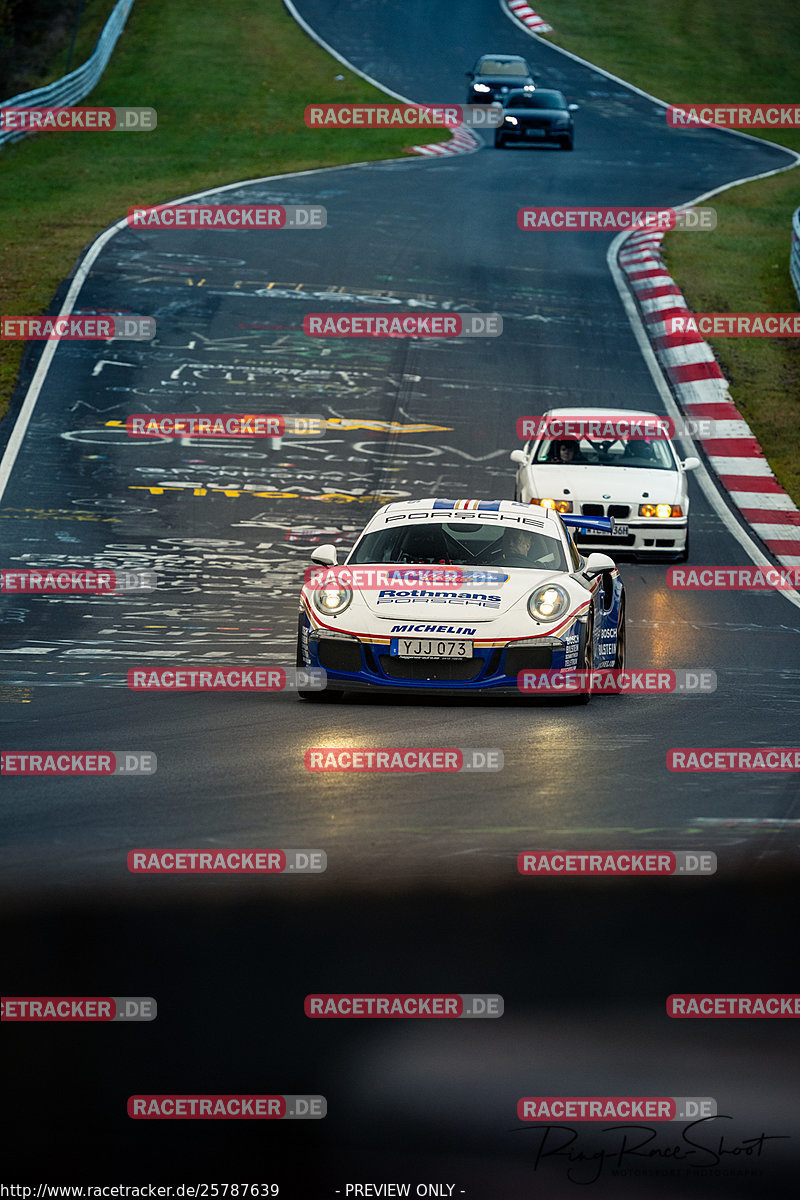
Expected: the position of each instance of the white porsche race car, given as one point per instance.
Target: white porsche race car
(639, 481)
(448, 596)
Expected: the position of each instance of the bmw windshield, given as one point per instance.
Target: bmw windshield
(653, 454)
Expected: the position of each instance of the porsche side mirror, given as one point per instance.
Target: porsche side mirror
(519, 456)
(596, 564)
(573, 107)
(325, 555)
(691, 463)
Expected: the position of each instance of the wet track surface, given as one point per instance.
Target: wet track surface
(228, 528)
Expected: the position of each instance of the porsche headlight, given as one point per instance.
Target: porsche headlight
(480, 87)
(548, 603)
(332, 599)
(511, 121)
(662, 511)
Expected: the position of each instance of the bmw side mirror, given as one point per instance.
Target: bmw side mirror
(325, 556)
(573, 107)
(691, 463)
(519, 456)
(596, 564)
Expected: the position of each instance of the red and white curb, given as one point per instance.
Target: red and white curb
(524, 13)
(702, 392)
(461, 142)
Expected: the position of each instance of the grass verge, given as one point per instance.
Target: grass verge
(230, 84)
(706, 51)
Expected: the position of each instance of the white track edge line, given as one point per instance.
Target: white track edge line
(708, 485)
(25, 414)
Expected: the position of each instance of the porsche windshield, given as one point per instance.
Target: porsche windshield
(653, 454)
(463, 543)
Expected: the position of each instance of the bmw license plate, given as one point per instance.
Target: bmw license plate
(430, 648)
(619, 531)
(534, 133)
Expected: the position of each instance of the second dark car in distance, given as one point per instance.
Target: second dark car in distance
(541, 115)
(495, 75)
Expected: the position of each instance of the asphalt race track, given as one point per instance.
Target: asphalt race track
(421, 890)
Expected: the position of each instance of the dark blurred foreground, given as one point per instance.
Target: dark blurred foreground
(585, 970)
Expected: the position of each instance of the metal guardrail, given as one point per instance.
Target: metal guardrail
(794, 257)
(79, 83)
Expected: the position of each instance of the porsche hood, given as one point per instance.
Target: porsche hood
(485, 597)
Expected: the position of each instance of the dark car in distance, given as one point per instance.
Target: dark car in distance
(495, 75)
(538, 116)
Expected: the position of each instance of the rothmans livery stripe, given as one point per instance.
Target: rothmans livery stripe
(467, 505)
(701, 390)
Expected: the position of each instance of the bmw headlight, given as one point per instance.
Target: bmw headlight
(480, 87)
(661, 511)
(511, 121)
(548, 603)
(332, 599)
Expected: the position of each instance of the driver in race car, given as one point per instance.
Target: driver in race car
(565, 451)
(516, 550)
